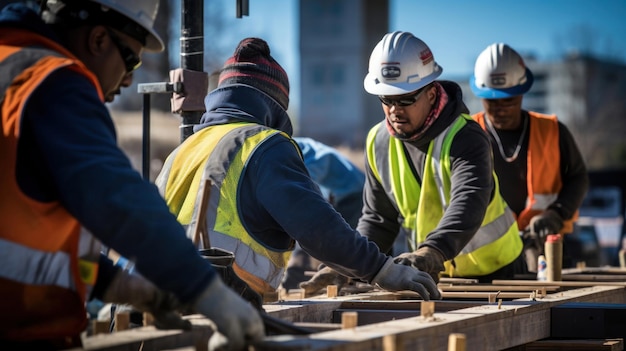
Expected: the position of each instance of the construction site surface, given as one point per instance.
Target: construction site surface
(586, 310)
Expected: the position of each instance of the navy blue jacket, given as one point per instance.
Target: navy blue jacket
(282, 201)
(68, 152)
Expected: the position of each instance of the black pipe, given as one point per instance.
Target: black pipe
(191, 54)
(145, 160)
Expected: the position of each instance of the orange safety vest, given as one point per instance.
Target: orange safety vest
(543, 175)
(43, 280)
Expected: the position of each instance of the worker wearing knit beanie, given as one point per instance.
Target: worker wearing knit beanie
(262, 198)
(252, 65)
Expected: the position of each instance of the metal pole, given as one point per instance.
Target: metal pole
(191, 54)
(145, 164)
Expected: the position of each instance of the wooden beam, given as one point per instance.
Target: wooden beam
(573, 345)
(513, 323)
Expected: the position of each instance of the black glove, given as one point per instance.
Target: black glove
(397, 277)
(545, 223)
(426, 259)
(324, 277)
(238, 323)
(230, 278)
(135, 290)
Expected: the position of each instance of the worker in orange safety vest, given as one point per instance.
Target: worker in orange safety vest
(542, 175)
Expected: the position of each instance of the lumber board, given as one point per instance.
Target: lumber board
(558, 283)
(573, 345)
(528, 288)
(150, 338)
(487, 327)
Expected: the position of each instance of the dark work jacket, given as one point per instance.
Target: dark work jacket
(68, 152)
(280, 202)
(471, 189)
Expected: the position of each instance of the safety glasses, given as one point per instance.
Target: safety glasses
(131, 60)
(402, 101)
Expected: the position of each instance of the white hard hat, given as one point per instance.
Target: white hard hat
(135, 17)
(400, 64)
(500, 73)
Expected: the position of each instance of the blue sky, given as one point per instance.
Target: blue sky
(455, 30)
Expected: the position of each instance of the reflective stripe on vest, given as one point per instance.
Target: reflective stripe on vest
(220, 153)
(35, 267)
(543, 174)
(497, 242)
(40, 242)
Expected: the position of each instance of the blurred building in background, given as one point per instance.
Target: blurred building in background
(336, 39)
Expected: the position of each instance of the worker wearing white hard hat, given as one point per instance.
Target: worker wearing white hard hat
(67, 186)
(429, 171)
(542, 175)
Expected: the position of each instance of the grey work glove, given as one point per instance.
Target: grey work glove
(397, 277)
(545, 223)
(135, 290)
(234, 317)
(426, 259)
(323, 278)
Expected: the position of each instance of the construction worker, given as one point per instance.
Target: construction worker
(63, 172)
(429, 172)
(542, 175)
(262, 198)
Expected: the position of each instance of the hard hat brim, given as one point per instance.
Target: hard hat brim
(154, 43)
(490, 93)
(373, 86)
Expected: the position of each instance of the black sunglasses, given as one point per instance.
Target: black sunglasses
(403, 101)
(131, 60)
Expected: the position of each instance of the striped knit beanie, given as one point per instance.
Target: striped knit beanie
(251, 64)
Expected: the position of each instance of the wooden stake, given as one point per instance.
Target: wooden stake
(427, 308)
(456, 342)
(122, 321)
(100, 327)
(271, 296)
(331, 291)
(349, 320)
(392, 342)
(148, 319)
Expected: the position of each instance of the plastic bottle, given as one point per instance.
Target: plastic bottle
(542, 267)
(554, 257)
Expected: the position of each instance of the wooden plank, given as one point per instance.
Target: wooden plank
(496, 288)
(587, 345)
(485, 295)
(510, 324)
(575, 284)
(150, 338)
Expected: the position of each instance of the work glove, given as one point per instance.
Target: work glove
(135, 290)
(237, 320)
(426, 259)
(397, 277)
(323, 278)
(232, 280)
(545, 223)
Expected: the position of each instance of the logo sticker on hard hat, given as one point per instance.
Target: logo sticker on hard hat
(426, 56)
(498, 79)
(390, 72)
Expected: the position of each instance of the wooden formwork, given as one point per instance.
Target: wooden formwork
(507, 314)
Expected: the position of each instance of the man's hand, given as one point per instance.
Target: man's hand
(545, 223)
(235, 317)
(397, 277)
(324, 277)
(426, 259)
(135, 290)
